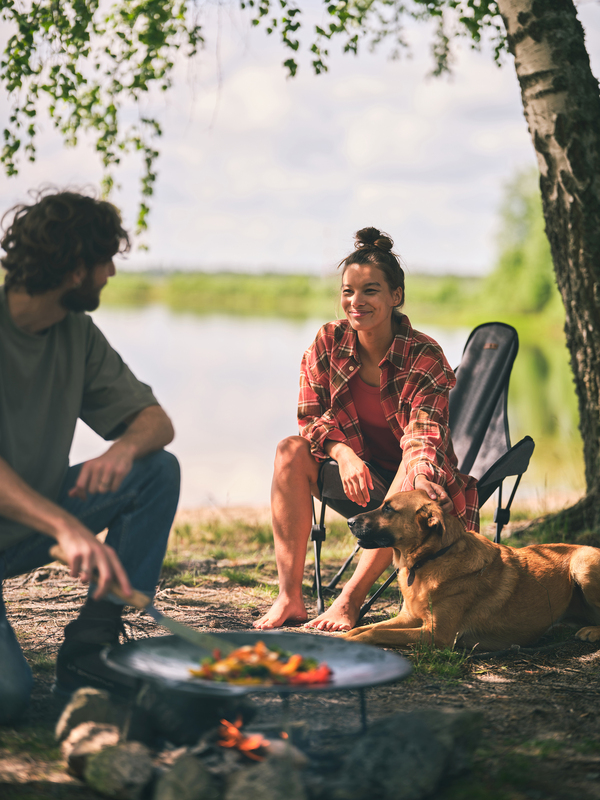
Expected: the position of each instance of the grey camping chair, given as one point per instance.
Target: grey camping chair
(480, 435)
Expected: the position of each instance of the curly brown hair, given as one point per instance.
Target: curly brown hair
(50, 238)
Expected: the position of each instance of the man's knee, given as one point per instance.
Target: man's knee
(164, 466)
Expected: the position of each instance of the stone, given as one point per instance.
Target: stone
(89, 705)
(282, 749)
(273, 779)
(85, 739)
(181, 718)
(407, 756)
(122, 771)
(188, 779)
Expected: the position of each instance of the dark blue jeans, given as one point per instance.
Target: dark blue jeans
(138, 517)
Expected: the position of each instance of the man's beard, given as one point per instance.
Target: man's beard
(84, 298)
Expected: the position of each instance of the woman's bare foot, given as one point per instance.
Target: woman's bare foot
(342, 615)
(281, 612)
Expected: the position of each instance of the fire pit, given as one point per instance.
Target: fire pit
(162, 665)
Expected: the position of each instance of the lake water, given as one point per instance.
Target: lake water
(230, 386)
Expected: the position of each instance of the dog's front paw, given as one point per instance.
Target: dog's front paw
(591, 634)
(354, 633)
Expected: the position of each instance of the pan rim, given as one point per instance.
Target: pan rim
(389, 666)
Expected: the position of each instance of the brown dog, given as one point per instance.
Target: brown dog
(460, 587)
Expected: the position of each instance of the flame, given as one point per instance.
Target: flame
(233, 737)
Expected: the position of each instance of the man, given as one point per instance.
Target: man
(56, 366)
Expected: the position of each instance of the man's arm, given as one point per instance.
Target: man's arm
(85, 554)
(147, 431)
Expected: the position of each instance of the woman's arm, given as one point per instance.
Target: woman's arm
(434, 490)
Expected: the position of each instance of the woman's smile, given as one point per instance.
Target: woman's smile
(367, 300)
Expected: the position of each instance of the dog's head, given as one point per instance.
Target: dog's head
(404, 522)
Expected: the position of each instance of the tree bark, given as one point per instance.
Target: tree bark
(561, 101)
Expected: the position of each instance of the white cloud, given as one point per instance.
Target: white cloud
(260, 170)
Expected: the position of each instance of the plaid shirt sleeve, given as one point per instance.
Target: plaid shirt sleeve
(425, 440)
(316, 419)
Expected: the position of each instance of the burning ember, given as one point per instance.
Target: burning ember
(248, 745)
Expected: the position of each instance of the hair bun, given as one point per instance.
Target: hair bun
(371, 237)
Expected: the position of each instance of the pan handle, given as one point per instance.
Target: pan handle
(136, 599)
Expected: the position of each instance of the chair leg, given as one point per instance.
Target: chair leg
(317, 535)
(336, 578)
(366, 607)
(318, 585)
(502, 515)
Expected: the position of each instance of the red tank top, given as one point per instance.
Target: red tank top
(380, 443)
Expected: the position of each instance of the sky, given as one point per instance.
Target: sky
(262, 172)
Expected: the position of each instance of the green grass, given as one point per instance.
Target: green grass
(446, 663)
(240, 576)
(34, 740)
(217, 539)
(40, 662)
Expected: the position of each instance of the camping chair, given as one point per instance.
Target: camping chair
(480, 435)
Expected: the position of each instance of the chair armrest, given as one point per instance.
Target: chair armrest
(514, 462)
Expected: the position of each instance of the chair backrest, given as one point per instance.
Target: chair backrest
(478, 415)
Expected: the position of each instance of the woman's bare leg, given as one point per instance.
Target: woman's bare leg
(294, 479)
(343, 612)
(342, 615)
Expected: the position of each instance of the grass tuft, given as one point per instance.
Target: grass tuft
(33, 741)
(447, 662)
(239, 576)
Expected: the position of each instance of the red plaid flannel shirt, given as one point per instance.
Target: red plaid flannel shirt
(415, 381)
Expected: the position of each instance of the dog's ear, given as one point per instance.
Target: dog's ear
(431, 519)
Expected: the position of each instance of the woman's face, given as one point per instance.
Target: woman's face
(367, 300)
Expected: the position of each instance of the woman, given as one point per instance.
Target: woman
(373, 397)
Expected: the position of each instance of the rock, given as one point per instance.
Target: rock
(89, 705)
(188, 779)
(280, 748)
(406, 756)
(273, 779)
(122, 771)
(182, 717)
(85, 739)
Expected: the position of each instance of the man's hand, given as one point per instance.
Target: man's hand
(147, 431)
(435, 492)
(105, 473)
(91, 560)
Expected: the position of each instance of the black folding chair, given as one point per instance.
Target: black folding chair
(480, 435)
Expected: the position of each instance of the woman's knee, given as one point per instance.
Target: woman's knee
(293, 451)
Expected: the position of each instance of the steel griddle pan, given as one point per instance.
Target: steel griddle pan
(166, 660)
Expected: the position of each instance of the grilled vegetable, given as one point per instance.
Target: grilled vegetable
(257, 664)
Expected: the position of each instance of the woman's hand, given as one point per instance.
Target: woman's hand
(435, 492)
(355, 475)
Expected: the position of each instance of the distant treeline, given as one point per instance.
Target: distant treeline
(520, 287)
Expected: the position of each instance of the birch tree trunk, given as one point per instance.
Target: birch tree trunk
(561, 101)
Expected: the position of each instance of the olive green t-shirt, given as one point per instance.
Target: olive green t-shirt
(47, 381)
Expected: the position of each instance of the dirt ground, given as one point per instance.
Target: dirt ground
(540, 710)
